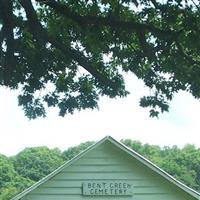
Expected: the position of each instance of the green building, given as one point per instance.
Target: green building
(108, 170)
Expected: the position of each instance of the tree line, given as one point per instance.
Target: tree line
(30, 165)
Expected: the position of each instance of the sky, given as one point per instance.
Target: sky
(120, 118)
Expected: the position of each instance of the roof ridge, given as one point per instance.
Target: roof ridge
(123, 147)
(55, 172)
(157, 169)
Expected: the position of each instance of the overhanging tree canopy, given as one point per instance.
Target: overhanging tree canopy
(55, 51)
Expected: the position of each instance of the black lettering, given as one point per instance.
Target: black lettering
(107, 188)
(104, 185)
(92, 191)
(101, 191)
(120, 191)
(96, 191)
(106, 191)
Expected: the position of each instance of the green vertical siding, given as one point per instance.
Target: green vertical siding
(107, 162)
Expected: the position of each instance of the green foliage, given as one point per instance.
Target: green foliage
(10, 181)
(73, 151)
(8, 192)
(55, 51)
(32, 164)
(183, 163)
(6, 171)
(35, 163)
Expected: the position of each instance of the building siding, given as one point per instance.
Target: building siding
(106, 162)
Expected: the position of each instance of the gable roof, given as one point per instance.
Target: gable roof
(124, 148)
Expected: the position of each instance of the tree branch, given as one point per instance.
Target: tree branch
(1, 37)
(185, 55)
(39, 32)
(197, 6)
(155, 3)
(147, 50)
(106, 21)
(6, 7)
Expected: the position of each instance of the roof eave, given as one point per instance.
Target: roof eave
(155, 168)
(46, 178)
(131, 152)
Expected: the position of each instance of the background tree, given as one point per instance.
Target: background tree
(55, 51)
(35, 163)
(73, 151)
(180, 163)
(10, 181)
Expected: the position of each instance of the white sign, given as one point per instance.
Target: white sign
(110, 188)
